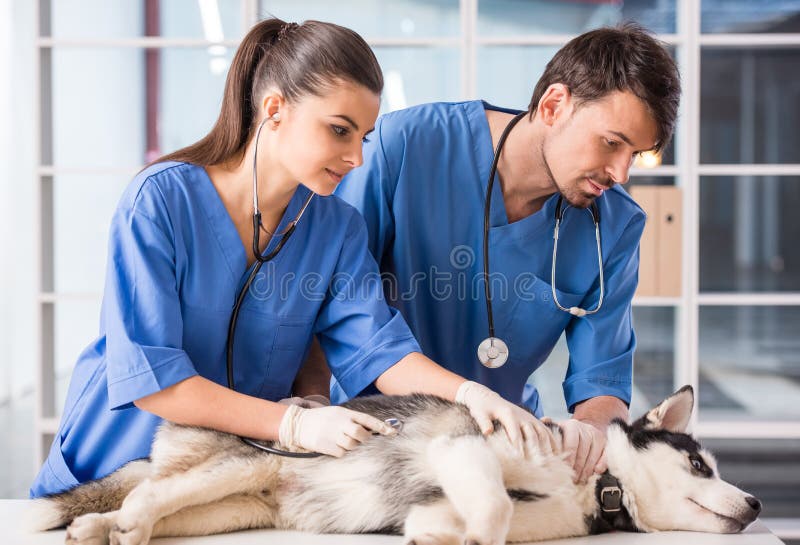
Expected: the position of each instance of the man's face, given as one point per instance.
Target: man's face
(590, 148)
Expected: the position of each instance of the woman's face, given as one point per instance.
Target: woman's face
(320, 137)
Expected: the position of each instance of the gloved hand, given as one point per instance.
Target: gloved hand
(585, 444)
(308, 402)
(526, 432)
(329, 430)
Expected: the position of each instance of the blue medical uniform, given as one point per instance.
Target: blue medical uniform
(175, 264)
(422, 192)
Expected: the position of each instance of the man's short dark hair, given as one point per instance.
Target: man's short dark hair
(625, 58)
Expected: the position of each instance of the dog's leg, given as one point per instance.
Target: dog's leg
(212, 480)
(472, 479)
(91, 529)
(433, 524)
(237, 512)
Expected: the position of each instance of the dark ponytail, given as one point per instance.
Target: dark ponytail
(298, 60)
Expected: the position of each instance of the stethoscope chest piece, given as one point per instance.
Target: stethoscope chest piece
(493, 352)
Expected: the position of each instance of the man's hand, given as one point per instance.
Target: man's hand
(585, 445)
(584, 436)
(525, 432)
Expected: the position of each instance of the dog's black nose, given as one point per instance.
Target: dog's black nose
(754, 504)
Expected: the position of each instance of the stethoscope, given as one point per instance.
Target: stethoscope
(260, 260)
(493, 351)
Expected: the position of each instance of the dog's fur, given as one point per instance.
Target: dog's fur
(438, 481)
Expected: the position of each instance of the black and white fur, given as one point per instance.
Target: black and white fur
(439, 481)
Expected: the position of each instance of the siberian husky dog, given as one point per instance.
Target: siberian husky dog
(439, 481)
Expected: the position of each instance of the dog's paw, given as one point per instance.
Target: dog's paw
(491, 527)
(132, 534)
(482, 541)
(433, 539)
(89, 529)
(489, 537)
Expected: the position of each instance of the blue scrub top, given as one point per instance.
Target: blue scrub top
(422, 192)
(175, 264)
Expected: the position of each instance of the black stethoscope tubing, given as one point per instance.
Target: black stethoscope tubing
(494, 350)
(260, 260)
(486, 212)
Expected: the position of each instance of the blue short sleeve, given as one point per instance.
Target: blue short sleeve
(601, 345)
(141, 309)
(360, 334)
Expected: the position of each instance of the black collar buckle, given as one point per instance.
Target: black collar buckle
(610, 499)
(611, 513)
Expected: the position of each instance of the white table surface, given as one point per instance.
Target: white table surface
(11, 513)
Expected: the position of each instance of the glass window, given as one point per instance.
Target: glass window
(82, 210)
(667, 155)
(748, 233)
(654, 359)
(76, 325)
(395, 19)
(769, 469)
(213, 20)
(644, 179)
(526, 17)
(98, 100)
(653, 364)
(548, 378)
(100, 97)
(415, 75)
(749, 367)
(17, 456)
(96, 18)
(192, 82)
(507, 75)
(749, 16)
(749, 106)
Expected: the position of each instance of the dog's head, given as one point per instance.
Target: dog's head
(669, 481)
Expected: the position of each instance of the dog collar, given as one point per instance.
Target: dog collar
(611, 514)
(609, 494)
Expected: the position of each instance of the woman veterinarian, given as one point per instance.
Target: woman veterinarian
(182, 246)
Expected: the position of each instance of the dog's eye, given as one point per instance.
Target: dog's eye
(697, 463)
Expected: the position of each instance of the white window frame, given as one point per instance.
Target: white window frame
(687, 172)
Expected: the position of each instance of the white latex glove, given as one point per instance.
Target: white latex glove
(329, 430)
(526, 432)
(308, 402)
(586, 447)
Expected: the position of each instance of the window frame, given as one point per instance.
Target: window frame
(687, 172)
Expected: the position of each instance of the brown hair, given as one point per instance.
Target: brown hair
(625, 58)
(298, 60)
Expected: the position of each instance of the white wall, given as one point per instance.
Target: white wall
(5, 133)
(17, 183)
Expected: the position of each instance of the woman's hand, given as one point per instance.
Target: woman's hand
(329, 430)
(526, 432)
(313, 401)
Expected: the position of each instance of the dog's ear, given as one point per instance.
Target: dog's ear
(672, 414)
